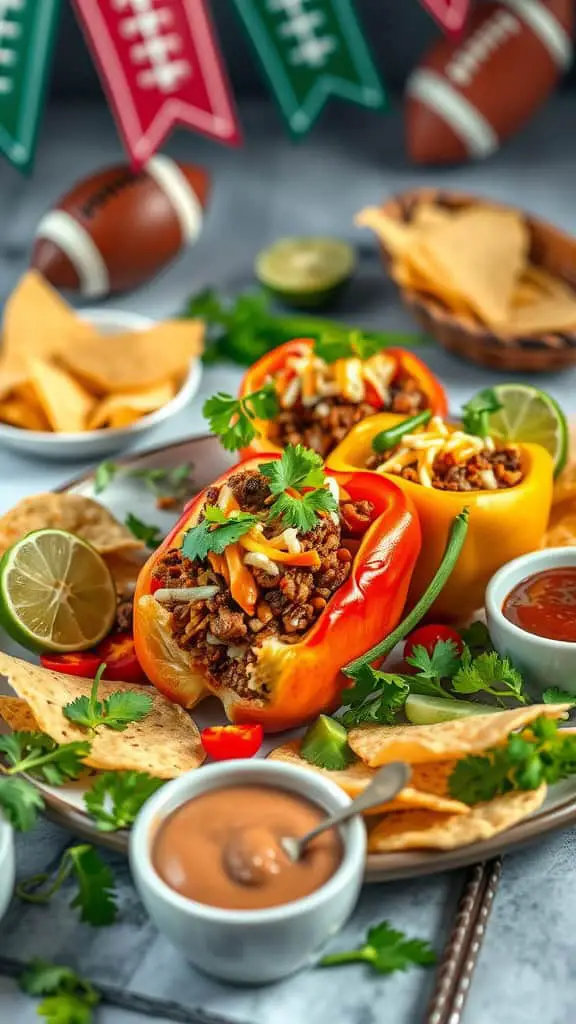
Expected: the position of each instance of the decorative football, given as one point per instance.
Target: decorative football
(117, 228)
(470, 94)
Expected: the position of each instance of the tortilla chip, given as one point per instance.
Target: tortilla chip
(428, 787)
(380, 744)
(125, 407)
(124, 570)
(166, 743)
(18, 715)
(26, 415)
(72, 512)
(545, 315)
(430, 215)
(65, 403)
(545, 282)
(137, 359)
(413, 830)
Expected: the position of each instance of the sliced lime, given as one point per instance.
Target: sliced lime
(530, 415)
(421, 710)
(56, 593)
(305, 271)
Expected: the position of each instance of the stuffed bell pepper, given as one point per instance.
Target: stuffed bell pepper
(323, 388)
(274, 578)
(508, 488)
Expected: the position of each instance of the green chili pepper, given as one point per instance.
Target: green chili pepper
(388, 439)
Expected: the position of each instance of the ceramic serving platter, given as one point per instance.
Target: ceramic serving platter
(65, 804)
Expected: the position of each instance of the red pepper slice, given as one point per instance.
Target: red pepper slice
(116, 650)
(230, 742)
(428, 637)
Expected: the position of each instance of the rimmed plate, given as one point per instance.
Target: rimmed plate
(64, 804)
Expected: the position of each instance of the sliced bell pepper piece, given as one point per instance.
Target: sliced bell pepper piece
(503, 524)
(270, 365)
(232, 742)
(309, 559)
(117, 651)
(295, 682)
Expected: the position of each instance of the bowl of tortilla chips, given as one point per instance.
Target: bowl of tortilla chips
(87, 383)
(490, 282)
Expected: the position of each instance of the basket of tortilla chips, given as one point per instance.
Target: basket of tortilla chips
(491, 283)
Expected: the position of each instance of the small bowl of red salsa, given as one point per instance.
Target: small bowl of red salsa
(531, 615)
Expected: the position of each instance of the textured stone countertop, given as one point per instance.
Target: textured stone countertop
(268, 189)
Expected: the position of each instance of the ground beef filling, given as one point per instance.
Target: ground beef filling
(477, 474)
(324, 425)
(218, 632)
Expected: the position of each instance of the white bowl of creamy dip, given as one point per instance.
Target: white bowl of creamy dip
(207, 861)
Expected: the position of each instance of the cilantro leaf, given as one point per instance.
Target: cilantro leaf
(115, 798)
(65, 1009)
(150, 534)
(338, 345)
(116, 711)
(95, 897)
(231, 419)
(299, 467)
(104, 475)
(166, 483)
(71, 998)
(42, 758)
(476, 412)
(554, 695)
(216, 532)
(376, 697)
(386, 950)
(477, 638)
(441, 664)
(20, 802)
(489, 673)
(302, 513)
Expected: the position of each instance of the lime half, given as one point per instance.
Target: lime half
(305, 271)
(56, 592)
(530, 415)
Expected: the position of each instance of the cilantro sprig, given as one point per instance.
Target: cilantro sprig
(20, 803)
(94, 894)
(116, 711)
(173, 484)
(376, 697)
(148, 533)
(332, 346)
(385, 950)
(216, 532)
(39, 756)
(488, 673)
(68, 998)
(115, 798)
(539, 753)
(232, 419)
(298, 468)
(476, 412)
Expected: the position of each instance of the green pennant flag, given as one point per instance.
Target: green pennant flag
(27, 33)
(310, 50)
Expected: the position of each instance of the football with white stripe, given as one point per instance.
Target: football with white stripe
(117, 228)
(470, 94)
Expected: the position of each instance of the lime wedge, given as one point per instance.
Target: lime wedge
(305, 272)
(530, 415)
(422, 710)
(56, 593)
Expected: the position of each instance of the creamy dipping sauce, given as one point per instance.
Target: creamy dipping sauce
(545, 604)
(223, 848)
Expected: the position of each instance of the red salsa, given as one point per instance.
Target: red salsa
(545, 604)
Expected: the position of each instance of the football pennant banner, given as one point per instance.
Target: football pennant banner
(27, 34)
(160, 65)
(311, 50)
(451, 15)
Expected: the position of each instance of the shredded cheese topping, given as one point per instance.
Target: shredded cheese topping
(308, 378)
(424, 447)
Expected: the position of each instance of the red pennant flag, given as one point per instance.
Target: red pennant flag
(451, 15)
(160, 65)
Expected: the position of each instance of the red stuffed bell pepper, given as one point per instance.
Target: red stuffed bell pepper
(270, 583)
(321, 398)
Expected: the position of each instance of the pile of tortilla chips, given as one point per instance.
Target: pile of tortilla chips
(424, 815)
(58, 373)
(475, 261)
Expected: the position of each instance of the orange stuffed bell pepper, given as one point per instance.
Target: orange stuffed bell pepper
(320, 398)
(274, 578)
(508, 490)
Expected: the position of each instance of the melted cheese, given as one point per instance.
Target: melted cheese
(424, 447)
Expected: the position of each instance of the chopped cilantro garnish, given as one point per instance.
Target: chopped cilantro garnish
(216, 532)
(231, 419)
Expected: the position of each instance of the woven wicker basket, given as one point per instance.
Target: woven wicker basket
(549, 248)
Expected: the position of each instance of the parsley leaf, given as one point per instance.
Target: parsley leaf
(476, 412)
(116, 711)
(375, 697)
(386, 950)
(489, 673)
(554, 695)
(216, 532)
(42, 758)
(71, 998)
(104, 476)
(231, 419)
(441, 664)
(150, 534)
(540, 753)
(95, 897)
(20, 802)
(302, 513)
(477, 638)
(115, 798)
(299, 467)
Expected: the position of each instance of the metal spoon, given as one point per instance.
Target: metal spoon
(384, 786)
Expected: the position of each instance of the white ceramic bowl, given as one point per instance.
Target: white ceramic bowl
(7, 865)
(543, 662)
(249, 947)
(93, 444)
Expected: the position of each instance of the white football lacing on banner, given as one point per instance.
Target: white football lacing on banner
(10, 32)
(165, 71)
(305, 27)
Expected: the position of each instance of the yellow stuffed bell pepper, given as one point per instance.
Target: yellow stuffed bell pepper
(504, 523)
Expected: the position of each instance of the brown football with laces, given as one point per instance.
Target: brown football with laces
(117, 228)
